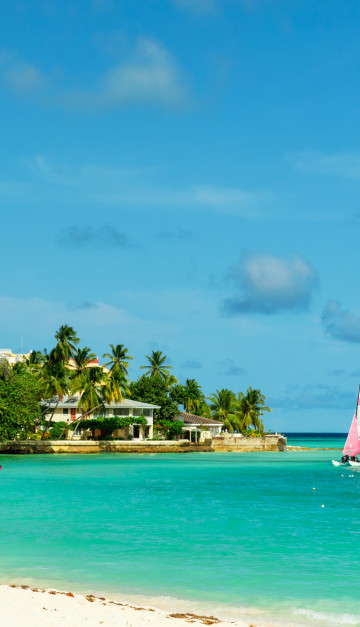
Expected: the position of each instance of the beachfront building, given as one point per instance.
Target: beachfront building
(67, 410)
(13, 358)
(199, 428)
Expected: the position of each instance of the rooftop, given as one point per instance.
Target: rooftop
(192, 419)
(72, 401)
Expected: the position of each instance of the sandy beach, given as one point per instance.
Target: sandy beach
(34, 607)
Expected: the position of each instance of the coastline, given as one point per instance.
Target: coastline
(24, 605)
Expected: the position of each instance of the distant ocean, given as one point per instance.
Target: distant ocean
(240, 536)
(317, 440)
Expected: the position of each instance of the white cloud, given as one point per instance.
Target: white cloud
(346, 165)
(148, 76)
(268, 284)
(28, 314)
(341, 324)
(319, 396)
(21, 77)
(116, 186)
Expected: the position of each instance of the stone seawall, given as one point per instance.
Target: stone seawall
(217, 444)
(30, 447)
(233, 444)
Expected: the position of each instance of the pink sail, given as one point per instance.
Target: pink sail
(352, 444)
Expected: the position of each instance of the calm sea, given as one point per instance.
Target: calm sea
(237, 535)
(317, 440)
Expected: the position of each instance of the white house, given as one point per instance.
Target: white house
(195, 424)
(13, 358)
(67, 410)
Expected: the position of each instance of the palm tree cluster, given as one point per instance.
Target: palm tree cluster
(241, 412)
(70, 369)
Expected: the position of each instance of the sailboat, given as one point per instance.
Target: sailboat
(352, 444)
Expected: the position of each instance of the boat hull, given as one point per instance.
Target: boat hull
(335, 463)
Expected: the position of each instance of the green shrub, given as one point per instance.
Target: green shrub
(59, 429)
(35, 436)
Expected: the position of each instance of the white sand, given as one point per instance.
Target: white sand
(21, 606)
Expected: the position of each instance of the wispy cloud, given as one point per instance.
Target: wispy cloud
(118, 186)
(319, 396)
(267, 284)
(148, 76)
(43, 316)
(202, 7)
(231, 201)
(228, 367)
(341, 324)
(339, 372)
(105, 235)
(191, 364)
(342, 164)
(84, 305)
(19, 76)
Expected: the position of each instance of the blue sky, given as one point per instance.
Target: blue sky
(184, 176)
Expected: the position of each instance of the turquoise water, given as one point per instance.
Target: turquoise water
(317, 440)
(235, 533)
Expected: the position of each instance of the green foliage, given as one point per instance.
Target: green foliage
(239, 413)
(5, 370)
(169, 428)
(118, 359)
(224, 408)
(59, 430)
(19, 405)
(66, 342)
(251, 406)
(156, 368)
(35, 436)
(191, 396)
(154, 390)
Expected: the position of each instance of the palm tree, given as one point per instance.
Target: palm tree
(193, 396)
(115, 386)
(54, 377)
(224, 408)
(157, 366)
(66, 342)
(118, 359)
(82, 358)
(170, 380)
(251, 407)
(36, 358)
(91, 387)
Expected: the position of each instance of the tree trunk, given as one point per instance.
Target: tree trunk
(78, 420)
(50, 421)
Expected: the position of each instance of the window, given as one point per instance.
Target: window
(147, 412)
(65, 411)
(137, 412)
(121, 412)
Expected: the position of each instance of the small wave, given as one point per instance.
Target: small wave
(328, 618)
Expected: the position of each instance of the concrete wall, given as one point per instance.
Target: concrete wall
(217, 444)
(113, 446)
(247, 445)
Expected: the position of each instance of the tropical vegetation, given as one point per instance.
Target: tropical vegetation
(31, 391)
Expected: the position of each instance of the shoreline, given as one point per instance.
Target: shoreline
(34, 606)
